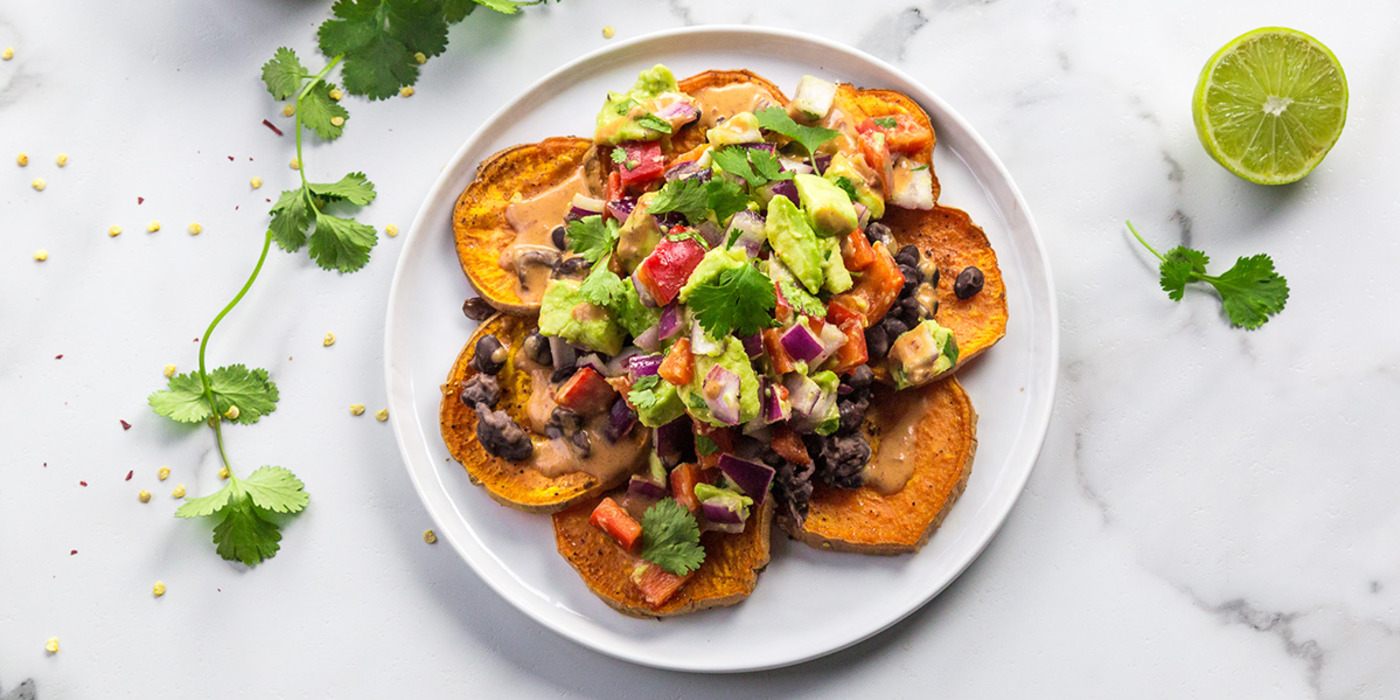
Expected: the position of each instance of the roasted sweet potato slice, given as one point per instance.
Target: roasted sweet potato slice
(940, 441)
(735, 82)
(857, 105)
(514, 484)
(729, 574)
(479, 222)
(950, 238)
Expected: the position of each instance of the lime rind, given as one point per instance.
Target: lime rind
(1270, 104)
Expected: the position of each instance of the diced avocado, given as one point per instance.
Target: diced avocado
(715, 261)
(841, 166)
(565, 314)
(795, 243)
(737, 502)
(829, 383)
(922, 353)
(632, 314)
(828, 206)
(735, 360)
(622, 114)
(638, 235)
(838, 279)
(666, 408)
(740, 128)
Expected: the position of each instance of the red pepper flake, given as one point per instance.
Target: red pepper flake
(129, 474)
(272, 126)
(230, 157)
(82, 483)
(72, 552)
(125, 425)
(59, 356)
(139, 200)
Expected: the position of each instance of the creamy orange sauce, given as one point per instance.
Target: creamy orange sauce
(719, 103)
(847, 141)
(533, 219)
(606, 461)
(893, 462)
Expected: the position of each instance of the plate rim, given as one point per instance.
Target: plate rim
(1040, 412)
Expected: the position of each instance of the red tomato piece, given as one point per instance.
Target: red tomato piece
(852, 353)
(683, 480)
(781, 360)
(655, 583)
(877, 155)
(856, 251)
(613, 519)
(644, 162)
(877, 288)
(783, 310)
(586, 393)
(906, 135)
(669, 265)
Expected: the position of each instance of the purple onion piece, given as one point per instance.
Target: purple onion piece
(862, 215)
(711, 233)
(562, 353)
(592, 360)
(684, 111)
(648, 340)
(620, 421)
(670, 323)
(647, 299)
(774, 408)
(644, 365)
(686, 170)
(770, 148)
(753, 345)
(643, 487)
(674, 439)
(786, 188)
(620, 209)
(822, 161)
(803, 394)
(795, 166)
(800, 343)
(751, 229)
(720, 513)
(700, 342)
(844, 389)
(832, 338)
(621, 363)
(672, 219)
(752, 478)
(721, 393)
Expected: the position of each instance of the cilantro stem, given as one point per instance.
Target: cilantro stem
(1143, 242)
(306, 90)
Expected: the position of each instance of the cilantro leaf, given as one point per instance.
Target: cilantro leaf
(205, 506)
(690, 198)
(602, 287)
(643, 394)
(341, 244)
(245, 531)
(245, 534)
(885, 122)
(378, 39)
(354, 188)
(705, 445)
(592, 236)
(455, 11)
(290, 217)
(847, 186)
(766, 165)
(1250, 291)
(275, 489)
(776, 119)
(318, 109)
(283, 73)
(725, 198)
(739, 300)
(508, 7)
(671, 538)
(235, 385)
(618, 156)
(735, 160)
(183, 401)
(655, 123)
(801, 300)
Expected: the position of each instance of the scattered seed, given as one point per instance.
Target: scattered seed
(61, 160)
(41, 255)
(289, 110)
(8, 53)
(255, 182)
(153, 226)
(114, 231)
(195, 229)
(52, 645)
(179, 491)
(337, 121)
(169, 371)
(381, 415)
(144, 496)
(357, 409)
(231, 413)
(391, 230)
(329, 340)
(223, 472)
(407, 91)
(158, 590)
(336, 94)
(429, 536)
(39, 184)
(22, 159)
(608, 32)
(163, 473)
(295, 164)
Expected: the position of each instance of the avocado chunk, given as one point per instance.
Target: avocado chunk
(735, 360)
(715, 261)
(827, 205)
(795, 243)
(838, 278)
(638, 235)
(922, 354)
(624, 116)
(842, 166)
(740, 128)
(657, 406)
(564, 313)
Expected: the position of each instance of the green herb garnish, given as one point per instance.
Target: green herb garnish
(1251, 291)
(776, 119)
(671, 538)
(738, 301)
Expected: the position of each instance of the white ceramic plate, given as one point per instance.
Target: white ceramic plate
(808, 602)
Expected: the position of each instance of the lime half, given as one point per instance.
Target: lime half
(1270, 104)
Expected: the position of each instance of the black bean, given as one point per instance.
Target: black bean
(852, 414)
(490, 355)
(562, 373)
(582, 444)
(537, 349)
(477, 309)
(933, 281)
(908, 255)
(912, 278)
(877, 342)
(575, 267)
(860, 377)
(564, 420)
(894, 328)
(481, 389)
(878, 232)
(557, 238)
(968, 283)
(792, 488)
(841, 459)
(912, 309)
(502, 436)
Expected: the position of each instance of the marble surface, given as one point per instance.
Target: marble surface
(1213, 514)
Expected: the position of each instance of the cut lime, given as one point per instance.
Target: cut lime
(1270, 104)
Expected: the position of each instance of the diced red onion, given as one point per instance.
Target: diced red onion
(822, 161)
(786, 188)
(620, 421)
(752, 478)
(803, 393)
(592, 360)
(674, 439)
(647, 299)
(620, 209)
(770, 148)
(621, 363)
(670, 322)
(669, 220)
(648, 340)
(701, 344)
(645, 365)
(751, 228)
(721, 393)
(562, 353)
(642, 487)
(753, 345)
(720, 512)
(774, 408)
(795, 166)
(832, 338)
(801, 343)
(862, 214)
(686, 170)
(710, 232)
(678, 113)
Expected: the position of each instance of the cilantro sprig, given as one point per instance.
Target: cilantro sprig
(757, 166)
(379, 46)
(1251, 291)
(739, 301)
(671, 538)
(694, 199)
(776, 119)
(591, 236)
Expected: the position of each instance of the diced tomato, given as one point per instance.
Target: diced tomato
(655, 583)
(877, 156)
(839, 313)
(781, 360)
(683, 480)
(856, 251)
(789, 446)
(644, 162)
(669, 265)
(906, 135)
(586, 393)
(679, 366)
(614, 189)
(783, 310)
(723, 439)
(852, 353)
(613, 519)
(877, 288)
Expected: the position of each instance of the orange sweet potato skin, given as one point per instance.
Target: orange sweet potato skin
(479, 222)
(689, 136)
(729, 574)
(859, 104)
(865, 521)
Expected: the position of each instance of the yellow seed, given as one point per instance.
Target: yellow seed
(255, 182)
(52, 645)
(296, 164)
(114, 231)
(429, 536)
(158, 590)
(163, 474)
(195, 229)
(420, 58)
(329, 340)
(61, 160)
(22, 159)
(231, 413)
(153, 226)
(289, 110)
(179, 491)
(169, 371)
(8, 53)
(381, 415)
(608, 32)
(392, 230)
(223, 472)
(337, 121)
(39, 184)
(144, 496)
(357, 409)
(407, 91)
(336, 94)
(41, 255)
